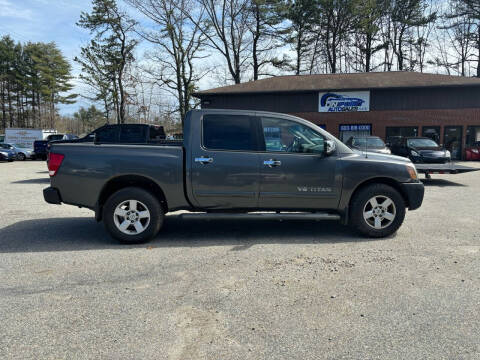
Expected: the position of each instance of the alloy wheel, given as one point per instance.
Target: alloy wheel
(379, 212)
(131, 217)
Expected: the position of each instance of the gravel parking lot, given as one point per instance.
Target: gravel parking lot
(238, 289)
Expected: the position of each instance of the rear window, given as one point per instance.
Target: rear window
(55, 137)
(228, 132)
(157, 132)
(132, 134)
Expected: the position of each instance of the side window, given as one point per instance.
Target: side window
(132, 134)
(108, 134)
(228, 132)
(288, 136)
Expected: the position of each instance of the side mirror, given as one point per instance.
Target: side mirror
(330, 147)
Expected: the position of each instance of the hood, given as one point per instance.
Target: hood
(383, 157)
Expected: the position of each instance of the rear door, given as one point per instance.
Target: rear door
(225, 167)
(294, 171)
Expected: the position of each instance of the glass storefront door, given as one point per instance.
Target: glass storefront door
(452, 139)
(393, 133)
(432, 132)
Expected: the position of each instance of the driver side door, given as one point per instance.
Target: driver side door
(294, 171)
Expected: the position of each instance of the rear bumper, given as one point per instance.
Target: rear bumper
(52, 196)
(414, 193)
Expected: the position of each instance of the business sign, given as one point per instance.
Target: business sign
(346, 101)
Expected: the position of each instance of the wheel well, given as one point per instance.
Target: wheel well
(130, 180)
(386, 181)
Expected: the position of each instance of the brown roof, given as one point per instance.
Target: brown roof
(353, 81)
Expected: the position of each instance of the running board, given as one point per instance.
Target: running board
(261, 216)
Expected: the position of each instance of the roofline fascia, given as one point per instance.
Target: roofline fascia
(201, 94)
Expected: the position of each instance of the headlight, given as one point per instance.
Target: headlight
(387, 151)
(447, 153)
(414, 153)
(412, 171)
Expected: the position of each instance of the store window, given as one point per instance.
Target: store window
(348, 130)
(473, 135)
(393, 133)
(432, 132)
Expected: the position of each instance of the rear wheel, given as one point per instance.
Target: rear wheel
(133, 215)
(377, 210)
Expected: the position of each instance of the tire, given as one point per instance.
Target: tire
(127, 221)
(21, 157)
(377, 221)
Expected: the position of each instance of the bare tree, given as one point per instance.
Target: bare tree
(335, 23)
(226, 28)
(405, 15)
(179, 42)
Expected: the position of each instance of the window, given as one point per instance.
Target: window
(132, 134)
(393, 133)
(433, 132)
(346, 131)
(288, 136)
(473, 135)
(228, 132)
(108, 134)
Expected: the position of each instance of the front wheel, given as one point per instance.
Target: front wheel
(133, 215)
(21, 157)
(377, 210)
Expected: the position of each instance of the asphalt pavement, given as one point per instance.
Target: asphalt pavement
(238, 289)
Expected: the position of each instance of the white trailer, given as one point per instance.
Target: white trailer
(26, 136)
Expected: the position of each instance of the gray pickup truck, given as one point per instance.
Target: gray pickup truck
(234, 164)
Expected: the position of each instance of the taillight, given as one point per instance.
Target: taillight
(54, 162)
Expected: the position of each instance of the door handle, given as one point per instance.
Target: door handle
(204, 160)
(272, 163)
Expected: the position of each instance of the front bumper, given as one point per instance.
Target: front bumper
(414, 193)
(429, 160)
(52, 195)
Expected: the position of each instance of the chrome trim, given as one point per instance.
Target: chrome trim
(272, 163)
(204, 160)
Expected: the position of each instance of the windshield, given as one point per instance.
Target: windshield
(369, 142)
(421, 143)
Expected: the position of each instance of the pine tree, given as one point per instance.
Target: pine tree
(104, 61)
